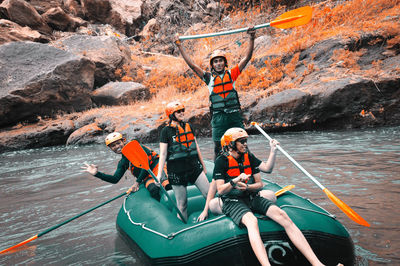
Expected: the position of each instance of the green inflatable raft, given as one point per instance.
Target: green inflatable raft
(153, 228)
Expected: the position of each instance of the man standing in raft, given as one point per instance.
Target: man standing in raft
(224, 99)
(116, 142)
(238, 179)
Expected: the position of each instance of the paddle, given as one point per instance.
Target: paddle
(293, 18)
(343, 206)
(61, 224)
(283, 190)
(138, 157)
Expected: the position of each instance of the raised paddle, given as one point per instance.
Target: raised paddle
(290, 19)
(61, 224)
(138, 157)
(343, 206)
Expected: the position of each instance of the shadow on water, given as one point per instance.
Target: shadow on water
(40, 188)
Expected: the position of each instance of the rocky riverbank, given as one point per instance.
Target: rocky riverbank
(61, 65)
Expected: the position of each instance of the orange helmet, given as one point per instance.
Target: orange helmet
(233, 134)
(172, 107)
(218, 53)
(113, 137)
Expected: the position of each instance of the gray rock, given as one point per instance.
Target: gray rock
(120, 93)
(40, 80)
(24, 14)
(106, 52)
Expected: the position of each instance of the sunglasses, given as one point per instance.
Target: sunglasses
(180, 111)
(242, 141)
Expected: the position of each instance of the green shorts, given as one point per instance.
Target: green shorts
(236, 208)
(221, 122)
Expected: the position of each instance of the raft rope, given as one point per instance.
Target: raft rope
(172, 235)
(306, 209)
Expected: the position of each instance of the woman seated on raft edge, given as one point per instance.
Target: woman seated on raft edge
(215, 204)
(238, 193)
(178, 147)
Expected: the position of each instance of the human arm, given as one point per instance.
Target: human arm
(163, 158)
(196, 69)
(268, 166)
(252, 34)
(210, 195)
(123, 165)
(200, 157)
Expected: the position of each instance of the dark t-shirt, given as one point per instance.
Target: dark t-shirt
(168, 135)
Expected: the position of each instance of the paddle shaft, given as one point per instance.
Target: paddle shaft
(61, 224)
(166, 194)
(290, 158)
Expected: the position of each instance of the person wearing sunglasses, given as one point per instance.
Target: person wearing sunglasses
(179, 149)
(214, 204)
(237, 176)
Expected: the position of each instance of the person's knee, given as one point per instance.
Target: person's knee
(268, 194)
(215, 207)
(249, 220)
(154, 191)
(279, 215)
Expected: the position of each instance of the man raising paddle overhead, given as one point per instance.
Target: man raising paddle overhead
(224, 99)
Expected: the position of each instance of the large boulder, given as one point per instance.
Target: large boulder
(120, 93)
(108, 53)
(12, 32)
(24, 14)
(85, 134)
(36, 135)
(59, 20)
(40, 80)
(125, 16)
(339, 103)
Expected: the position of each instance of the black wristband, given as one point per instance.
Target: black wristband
(233, 184)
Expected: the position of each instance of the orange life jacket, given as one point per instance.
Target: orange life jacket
(235, 169)
(183, 145)
(223, 96)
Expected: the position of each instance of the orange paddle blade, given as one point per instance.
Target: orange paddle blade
(20, 244)
(283, 190)
(136, 155)
(346, 209)
(293, 18)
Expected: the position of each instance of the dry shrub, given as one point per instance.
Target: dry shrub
(347, 59)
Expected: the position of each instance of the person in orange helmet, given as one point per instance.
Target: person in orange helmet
(237, 175)
(115, 141)
(214, 204)
(179, 148)
(224, 100)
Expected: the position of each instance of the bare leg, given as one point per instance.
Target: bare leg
(202, 184)
(250, 221)
(181, 199)
(216, 206)
(294, 233)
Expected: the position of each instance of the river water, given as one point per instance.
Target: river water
(40, 188)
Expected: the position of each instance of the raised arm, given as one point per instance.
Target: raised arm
(252, 34)
(196, 69)
(268, 166)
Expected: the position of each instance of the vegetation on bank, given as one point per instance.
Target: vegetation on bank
(168, 77)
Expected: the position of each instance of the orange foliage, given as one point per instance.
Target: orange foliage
(347, 59)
